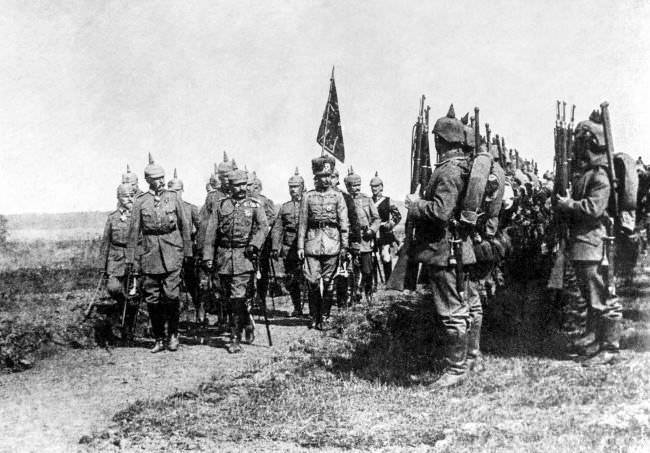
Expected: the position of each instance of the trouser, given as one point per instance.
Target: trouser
(454, 314)
(236, 290)
(162, 295)
(315, 268)
(475, 318)
(115, 288)
(386, 260)
(363, 268)
(605, 313)
(265, 272)
(191, 281)
(294, 280)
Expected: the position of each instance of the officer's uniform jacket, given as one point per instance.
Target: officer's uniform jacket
(192, 213)
(368, 220)
(587, 210)
(165, 231)
(284, 236)
(388, 213)
(433, 214)
(323, 223)
(114, 241)
(211, 202)
(233, 226)
(267, 204)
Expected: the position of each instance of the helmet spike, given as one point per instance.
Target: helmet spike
(376, 174)
(175, 174)
(150, 159)
(234, 165)
(298, 173)
(128, 169)
(451, 113)
(225, 157)
(215, 168)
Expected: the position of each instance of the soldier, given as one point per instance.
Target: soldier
(159, 218)
(190, 274)
(237, 228)
(284, 241)
(113, 253)
(442, 248)
(132, 179)
(586, 208)
(322, 237)
(389, 216)
(362, 247)
(341, 280)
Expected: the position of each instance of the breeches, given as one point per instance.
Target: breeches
(236, 286)
(162, 288)
(593, 289)
(316, 267)
(452, 310)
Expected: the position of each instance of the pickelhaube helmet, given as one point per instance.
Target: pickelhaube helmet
(175, 183)
(592, 130)
(352, 178)
(153, 170)
(449, 128)
(376, 180)
(125, 189)
(129, 177)
(237, 177)
(296, 179)
(225, 166)
(322, 165)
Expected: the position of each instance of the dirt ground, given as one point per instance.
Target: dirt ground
(51, 406)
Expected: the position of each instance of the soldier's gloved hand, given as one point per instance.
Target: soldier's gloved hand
(274, 254)
(251, 252)
(563, 203)
(207, 264)
(301, 254)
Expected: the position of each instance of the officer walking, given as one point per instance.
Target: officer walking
(362, 247)
(159, 218)
(439, 245)
(284, 242)
(322, 237)
(586, 208)
(237, 228)
(389, 216)
(113, 253)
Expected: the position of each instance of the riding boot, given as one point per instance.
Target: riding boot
(295, 299)
(474, 344)
(609, 335)
(157, 327)
(315, 306)
(388, 269)
(173, 315)
(456, 361)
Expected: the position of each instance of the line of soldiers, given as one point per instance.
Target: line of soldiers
(228, 248)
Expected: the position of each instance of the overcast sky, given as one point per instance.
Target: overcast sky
(89, 86)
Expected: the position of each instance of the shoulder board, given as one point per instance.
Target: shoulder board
(253, 201)
(143, 194)
(117, 211)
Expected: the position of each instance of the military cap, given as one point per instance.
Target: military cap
(449, 128)
(376, 180)
(225, 166)
(352, 178)
(125, 189)
(129, 177)
(237, 177)
(592, 129)
(175, 184)
(296, 179)
(322, 165)
(153, 170)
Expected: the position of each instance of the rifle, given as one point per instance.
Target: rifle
(256, 272)
(477, 130)
(405, 273)
(91, 305)
(609, 243)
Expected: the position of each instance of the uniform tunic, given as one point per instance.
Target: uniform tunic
(388, 213)
(368, 219)
(113, 251)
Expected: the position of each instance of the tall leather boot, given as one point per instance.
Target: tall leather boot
(456, 361)
(388, 269)
(609, 335)
(315, 307)
(294, 292)
(157, 327)
(173, 315)
(474, 344)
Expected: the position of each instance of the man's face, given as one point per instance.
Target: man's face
(354, 188)
(323, 181)
(377, 190)
(334, 180)
(239, 190)
(156, 184)
(126, 201)
(223, 180)
(134, 184)
(295, 192)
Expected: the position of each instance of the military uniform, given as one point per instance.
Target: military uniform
(269, 209)
(587, 212)
(322, 237)
(434, 217)
(235, 226)
(159, 218)
(389, 217)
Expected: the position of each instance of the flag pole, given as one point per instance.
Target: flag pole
(327, 114)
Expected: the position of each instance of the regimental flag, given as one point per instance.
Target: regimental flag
(330, 136)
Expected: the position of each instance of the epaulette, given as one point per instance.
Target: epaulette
(117, 211)
(143, 193)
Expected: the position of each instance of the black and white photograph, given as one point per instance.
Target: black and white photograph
(325, 226)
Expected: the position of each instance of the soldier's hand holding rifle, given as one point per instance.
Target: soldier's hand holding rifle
(251, 252)
(564, 203)
(412, 198)
(301, 254)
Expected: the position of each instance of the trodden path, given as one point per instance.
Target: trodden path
(49, 407)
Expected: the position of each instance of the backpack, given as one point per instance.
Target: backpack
(627, 190)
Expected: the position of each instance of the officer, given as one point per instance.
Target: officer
(586, 208)
(284, 241)
(220, 190)
(132, 179)
(113, 253)
(389, 216)
(362, 248)
(342, 280)
(190, 274)
(159, 218)
(322, 237)
(237, 228)
(439, 244)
